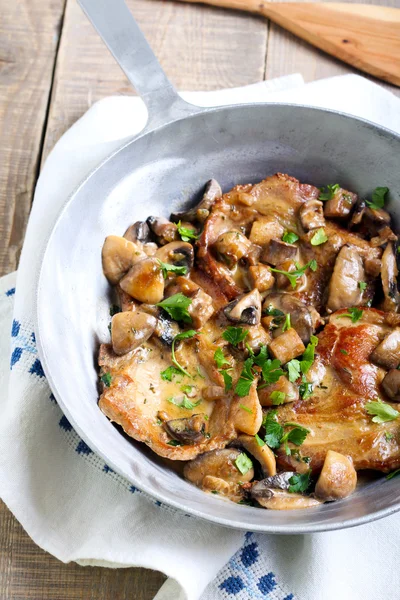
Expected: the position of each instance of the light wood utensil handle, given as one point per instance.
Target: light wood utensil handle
(367, 37)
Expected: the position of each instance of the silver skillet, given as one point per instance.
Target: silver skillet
(163, 169)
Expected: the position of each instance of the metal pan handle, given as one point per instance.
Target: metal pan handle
(126, 42)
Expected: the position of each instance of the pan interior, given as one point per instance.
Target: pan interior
(161, 172)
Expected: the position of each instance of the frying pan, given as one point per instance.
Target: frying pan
(163, 169)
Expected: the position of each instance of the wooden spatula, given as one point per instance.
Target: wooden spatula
(367, 37)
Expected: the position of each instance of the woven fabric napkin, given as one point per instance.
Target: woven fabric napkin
(72, 504)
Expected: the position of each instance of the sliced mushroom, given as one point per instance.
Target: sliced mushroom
(389, 273)
(179, 254)
(338, 478)
(219, 486)
(387, 353)
(286, 346)
(276, 499)
(372, 266)
(130, 329)
(277, 252)
(358, 212)
(201, 308)
(312, 215)
(246, 309)
(264, 230)
(256, 337)
(213, 392)
(199, 213)
(384, 236)
(283, 385)
(232, 246)
(217, 463)
(190, 430)
(340, 205)
(166, 329)
(263, 454)
(304, 320)
(138, 232)
(144, 281)
(261, 278)
(164, 230)
(391, 385)
(377, 215)
(344, 288)
(246, 412)
(118, 255)
(278, 481)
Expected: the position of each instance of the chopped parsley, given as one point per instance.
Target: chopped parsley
(297, 435)
(187, 389)
(227, 379)
(354, 314)
(261, 356)
(186, 233)
(169, 372)
(305, 389)
(393, 474)
(246, 408)
(308, 355)
(362, 285)
(114, 309)
(328, 192)
(388, 436)
(271, 370)
(277, 397)
(287, 324)
(234, 335)
(343, 351)
(174, 443)
(319, 237)
(270, 311)
(378, 198)
(106, 379)
(167, 268)
(243, 463)
(259, 441)
(293, 368)
(290, 237)
(181, 336)
(299, 482)
(185, 403)
(294, 275)
(199, 373)
(220, 358)
(176, 306)
(273, 430)
(246, 378)
(382, 412)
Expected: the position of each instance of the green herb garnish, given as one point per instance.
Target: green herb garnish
(273, 429)
(277, 397)
(308, 355)
(353, 313)
(378, 198)
(319, 237)
(114, 309)
(259, 441)
(297, 435)
(287, 324)
(174, 443)
(305, 389)
(106, 379)
(329, 192)
(299, 482)
(246, 378)
(227, 379)
(393, 474)
(185, 335)
(290, 237)
(343, 351)
(271, 370)
(167, 268)
(234, 335)
(186, 233)
(382, 412)
(388, 436)
(362, 285)
(293, 370)
(185, 403)
(176, 306)
(246, 408)
(220, 358)
(169, 372)
(243, 463)
(294, 275)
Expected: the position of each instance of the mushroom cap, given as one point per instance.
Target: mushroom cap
(217, 463)
(245, 309)
(338, 478)
(144, 281)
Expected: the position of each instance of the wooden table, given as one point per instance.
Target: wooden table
(52, 68)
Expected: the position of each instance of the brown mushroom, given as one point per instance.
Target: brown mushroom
(118, 255)
(286, 346)
(340, 205)
(189, 430)
(264, 230)
(358, 213)
(312, 215)
(389, 273)
(245, 309)
(261, 278)
(231, 246)
(144, 281)
(387, 353)
(304, 319)
(179, 254)
(391, 385)
(201, 308)
(246, 412)
(213, 392)
(164, 231)
(200, 212)
(130, 329)
(278, 252)
(284, 386)
(338, 478)
(217, 463)
(348, 272)
(278, 499)
(216, 485)
(263, 454)
(384, 236)
(138, 232)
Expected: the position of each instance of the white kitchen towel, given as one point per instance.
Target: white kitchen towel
(73, 505)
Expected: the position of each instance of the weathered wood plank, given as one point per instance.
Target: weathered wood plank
(29, 573)
(29, 32)
(199, 48)
(288, 54)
